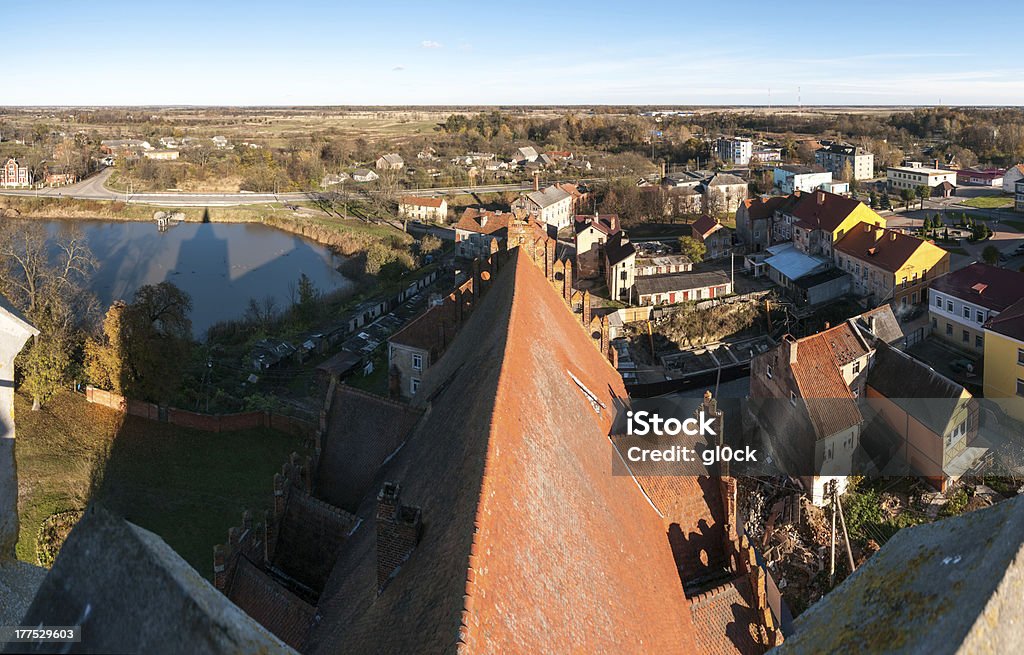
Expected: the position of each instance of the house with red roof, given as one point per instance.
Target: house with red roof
(428, 210)
(717, 238)
(889, 266)
(962, 301)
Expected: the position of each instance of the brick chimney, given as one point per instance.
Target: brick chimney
(398, 532)
(536, 180)
(819, 196)
(613, 223)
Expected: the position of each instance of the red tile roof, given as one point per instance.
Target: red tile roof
(483, 221)
(988, 286)
(705, 226)
(886, 249)
(822, 210)
(422, 202)
(273, 606)
(829, 401)
(759, 207)
(726, 621)
(1009, 322)
(529, 543)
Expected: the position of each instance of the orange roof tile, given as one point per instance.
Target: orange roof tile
(483, 221)
(887, 249)
(530, 544)
(422, 202)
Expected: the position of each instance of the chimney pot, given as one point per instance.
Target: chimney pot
(821, 197)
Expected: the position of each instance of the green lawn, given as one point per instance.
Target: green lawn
(989, 202)
(187, 486)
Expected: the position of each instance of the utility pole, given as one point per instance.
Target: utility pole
(830, 489)
(842, 522)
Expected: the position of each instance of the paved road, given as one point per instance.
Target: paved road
(93, 188)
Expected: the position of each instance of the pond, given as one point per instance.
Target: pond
(220, 265)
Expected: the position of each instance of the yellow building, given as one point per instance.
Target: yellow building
(889, 266)
(820, 219)
(1004, 360)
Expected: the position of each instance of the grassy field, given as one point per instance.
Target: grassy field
(187, 486)
(989, 202)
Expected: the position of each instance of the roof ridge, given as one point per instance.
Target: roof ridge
(518, 259)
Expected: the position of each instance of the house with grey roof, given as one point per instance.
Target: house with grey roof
(551, 205)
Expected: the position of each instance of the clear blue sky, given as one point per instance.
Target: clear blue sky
(381, 52)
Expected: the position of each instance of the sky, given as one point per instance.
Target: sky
(299, 52)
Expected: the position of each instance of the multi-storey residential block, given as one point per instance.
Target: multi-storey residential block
(911, 177)
(820, 219)
(837, 157)
(961, 302)
(889, 266)
(735, 151)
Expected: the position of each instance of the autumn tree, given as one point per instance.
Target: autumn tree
(144, 344)
(692, 248)
(45, 278)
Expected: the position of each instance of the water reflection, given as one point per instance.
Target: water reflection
(221, 265)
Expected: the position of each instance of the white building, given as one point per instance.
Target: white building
(911, 177)
(1011, 177)
(735, 151)
(551, 205)
(790, 179)
(433, 210)
(837, 156)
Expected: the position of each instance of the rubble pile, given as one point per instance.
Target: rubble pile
(792, 535)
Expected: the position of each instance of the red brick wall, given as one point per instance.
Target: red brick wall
(197, 421)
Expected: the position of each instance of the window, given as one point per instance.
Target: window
(949, 305)
(414, 385)
(856, 368)
(957, 433)
(417, 362)
(1020, 387)
(1020, 355)
(935, 323)
(967, 312)
(949, 329)
(792, 396)
(938, 301)
(768, 371)
(978, 341)
(966, 337)
(980, 317)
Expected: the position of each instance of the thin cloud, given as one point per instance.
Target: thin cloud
(431, 44)
(398, 68)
